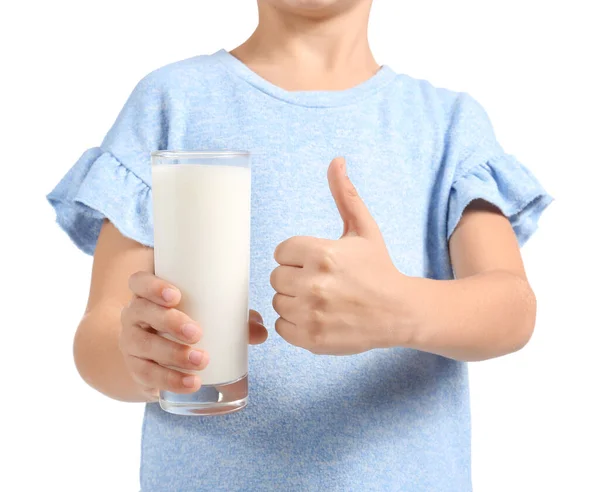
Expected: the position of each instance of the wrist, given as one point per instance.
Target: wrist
(410, 309)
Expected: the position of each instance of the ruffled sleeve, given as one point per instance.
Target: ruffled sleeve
(112, 181)
(507, 184)
(98, 186)
(483, 170)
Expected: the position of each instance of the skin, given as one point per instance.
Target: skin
(117, 349)
(341, 296)
(345, 296)
(311, 45)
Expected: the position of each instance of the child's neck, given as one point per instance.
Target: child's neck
(302, 54)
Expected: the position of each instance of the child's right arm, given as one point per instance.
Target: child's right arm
(117, 348)
(114, 349)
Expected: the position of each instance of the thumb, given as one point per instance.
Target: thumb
(258, 333)
(355, 214)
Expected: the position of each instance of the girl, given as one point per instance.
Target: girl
(363, 385)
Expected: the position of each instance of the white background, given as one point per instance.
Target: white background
(68, 68)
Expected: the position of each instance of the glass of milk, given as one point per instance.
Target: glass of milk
(201, 203)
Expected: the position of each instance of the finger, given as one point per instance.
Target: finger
(147, 345)
(286, 280)
(173, 322)
(355, 214)
(151, 374)
(258, 333)
(296, 250)
(255, 316)
(157, 290)
(289, 332)
(286, 306)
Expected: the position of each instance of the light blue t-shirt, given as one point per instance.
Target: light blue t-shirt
(385, 420)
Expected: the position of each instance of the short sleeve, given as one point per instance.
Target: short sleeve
(483, 170)
(113, 180)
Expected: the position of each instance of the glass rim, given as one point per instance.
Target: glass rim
(199, 154)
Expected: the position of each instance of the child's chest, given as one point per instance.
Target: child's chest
(393, 169)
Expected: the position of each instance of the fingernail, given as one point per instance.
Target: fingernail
(189, 381)
(169, 295)
(196, 357)
(190, 331)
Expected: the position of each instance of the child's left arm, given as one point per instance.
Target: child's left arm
(489, 310)
(346, 296)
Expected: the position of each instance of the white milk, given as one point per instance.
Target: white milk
(202, 246)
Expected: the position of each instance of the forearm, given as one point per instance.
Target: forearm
(474, 318)
(98, 358)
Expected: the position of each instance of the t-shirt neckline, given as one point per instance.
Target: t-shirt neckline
(317, 99)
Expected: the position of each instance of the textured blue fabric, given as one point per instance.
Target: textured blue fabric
(393, 419)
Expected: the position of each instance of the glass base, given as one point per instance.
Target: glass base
(216, 399)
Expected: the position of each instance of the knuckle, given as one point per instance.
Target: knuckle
(145, 371)
(279, 327)
(315, 318)
(172, 380)
(273, 277)
(144, 342)
(281, 248)
(318, 288)
(136, 309)
(179, 355)
(171, 320)
(318, 304)
(326, 259)
(276, 302)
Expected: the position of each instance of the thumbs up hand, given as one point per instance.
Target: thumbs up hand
(336, 296)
